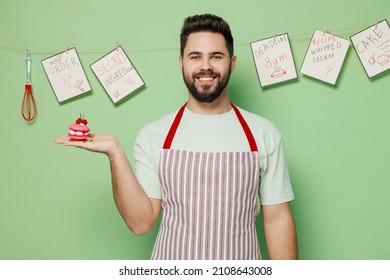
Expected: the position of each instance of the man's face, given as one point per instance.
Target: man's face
(206, 65)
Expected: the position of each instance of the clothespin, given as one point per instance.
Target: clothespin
(117, 46)
(376, 23)
(323, 30)
(65, 47)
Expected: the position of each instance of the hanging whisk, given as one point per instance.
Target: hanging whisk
(29, 108)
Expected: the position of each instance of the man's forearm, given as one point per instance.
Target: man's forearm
(135, 207)
(280, 232)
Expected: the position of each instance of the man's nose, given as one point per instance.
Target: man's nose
(206, 64)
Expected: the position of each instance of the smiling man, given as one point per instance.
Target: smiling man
(206, 73)
(209, 167)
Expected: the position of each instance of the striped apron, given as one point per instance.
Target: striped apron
(208, 202)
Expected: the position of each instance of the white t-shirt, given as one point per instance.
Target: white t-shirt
(215, 133)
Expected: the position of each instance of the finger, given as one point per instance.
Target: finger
(61, 140)
(99, 136)
(67, 142)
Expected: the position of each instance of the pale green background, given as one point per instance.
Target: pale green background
(56, 202)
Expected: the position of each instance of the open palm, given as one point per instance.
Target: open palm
(101, 143)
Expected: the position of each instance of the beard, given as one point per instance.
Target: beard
(207, 93)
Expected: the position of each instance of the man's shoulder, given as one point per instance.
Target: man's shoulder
(266, 133)
(256, 121)
(158, 126)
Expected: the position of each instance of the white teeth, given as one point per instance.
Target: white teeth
(206, 79)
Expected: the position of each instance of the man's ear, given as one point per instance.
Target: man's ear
(181, 63)
(233, 63)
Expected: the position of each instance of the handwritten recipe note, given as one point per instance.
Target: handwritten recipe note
(66, 75)
(372, 45)
(325, 56)
(274, 60)
(117, 74)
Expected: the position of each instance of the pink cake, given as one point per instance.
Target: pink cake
(79, 131)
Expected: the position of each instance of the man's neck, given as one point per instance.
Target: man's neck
(219, 106)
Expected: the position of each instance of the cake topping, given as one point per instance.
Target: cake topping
(81, 121)
(79, 131)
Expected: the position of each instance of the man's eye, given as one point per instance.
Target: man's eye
(217, 57)
(194, 57)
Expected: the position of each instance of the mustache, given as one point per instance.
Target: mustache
(206, 73)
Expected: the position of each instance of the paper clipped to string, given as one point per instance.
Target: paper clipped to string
(274, 60)
(325, 56)
(372, 46)
(117, 74)
(66, 75)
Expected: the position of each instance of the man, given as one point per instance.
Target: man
(208, 166)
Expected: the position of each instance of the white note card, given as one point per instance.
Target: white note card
(274, 60)
(66, 75)
(325, 57)
(372, 45)
(117, 74)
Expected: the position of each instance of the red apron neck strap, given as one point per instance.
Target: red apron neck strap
(247, 130)
(174, 126)
(176, 122)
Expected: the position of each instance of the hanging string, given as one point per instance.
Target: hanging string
(349, 31)
(94, 50)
